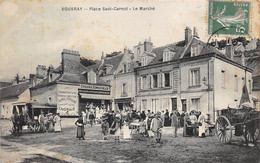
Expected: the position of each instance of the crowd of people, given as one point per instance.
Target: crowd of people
(49, 122)
(148, 123)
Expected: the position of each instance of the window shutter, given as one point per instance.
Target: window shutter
(159, 79)
(171, 78)
(152, 81)
(163, 80)
(141, 82)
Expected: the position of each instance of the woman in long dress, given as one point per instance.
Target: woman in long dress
(50, 122)
(202, 125)
(57, 120)
(80, 128)
(126, 130)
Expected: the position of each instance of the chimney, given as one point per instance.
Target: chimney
(31, 79)
(195, 33)
(243, 60)
(187, 35)
(41, 71)
(229, 49)
(70, 61)
(148, 45)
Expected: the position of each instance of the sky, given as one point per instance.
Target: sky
(35, 32)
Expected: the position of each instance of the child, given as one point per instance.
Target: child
(126, 130)
(156, 127)
(104, 127)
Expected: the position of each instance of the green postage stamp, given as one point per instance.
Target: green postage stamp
(229, 17)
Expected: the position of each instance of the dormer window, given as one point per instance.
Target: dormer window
(166, 56)
(195, 50)
(125, 68)
(92, 77)
(50, 78)
(144, 61)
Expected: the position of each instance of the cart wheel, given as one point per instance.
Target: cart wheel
(223, 129)
(255, 135)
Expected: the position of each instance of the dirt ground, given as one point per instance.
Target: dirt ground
(139, 149)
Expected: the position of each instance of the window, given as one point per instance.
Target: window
(184, 105)
(50, 78)
(236, 83)
(124, 89)
(166, 79)
(250, 86)
(166, 56)
(138, 50)
(195, 77)
(195, 102)
(223, 79)
(92, 77)
(125, 68)
(165, 103)
(49, 100)
(194, 50)
(144, 61)
(144, 105)
(154, 81)
(143, 82)
(155, 105)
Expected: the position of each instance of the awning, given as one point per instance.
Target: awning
(37, 106)
(124, 100)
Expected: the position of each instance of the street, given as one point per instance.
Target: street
(64, 147)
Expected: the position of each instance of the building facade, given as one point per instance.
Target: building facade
(70, 89)
(15, 94)
(189, 75)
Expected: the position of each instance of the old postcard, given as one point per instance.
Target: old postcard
(129, 81)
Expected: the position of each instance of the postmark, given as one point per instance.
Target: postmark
(232, 16)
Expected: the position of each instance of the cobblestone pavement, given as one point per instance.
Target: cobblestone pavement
(64, 147)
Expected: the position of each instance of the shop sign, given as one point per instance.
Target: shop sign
(67, 100)
(95, 87)
(94, 92)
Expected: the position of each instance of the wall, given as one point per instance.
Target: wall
(67, 99)
(6, 106)
(42, 95)
(228, 96)
(160, 93)
(203, 91)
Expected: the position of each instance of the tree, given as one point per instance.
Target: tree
(17, 78)
(86, 62)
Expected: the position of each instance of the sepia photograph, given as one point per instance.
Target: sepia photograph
(129, 81)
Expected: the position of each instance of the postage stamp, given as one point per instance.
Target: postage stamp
(229, 17)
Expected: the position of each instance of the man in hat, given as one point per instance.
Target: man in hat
(174, 119)
(105, 126)
(42, 120)
(156, 127)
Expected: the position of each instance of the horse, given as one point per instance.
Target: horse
(18, 122)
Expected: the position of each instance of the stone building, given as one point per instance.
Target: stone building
(189, 75)
(118, 70)
(70, 88)
(16, 94)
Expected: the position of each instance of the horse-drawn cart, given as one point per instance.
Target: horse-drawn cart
(244, 121)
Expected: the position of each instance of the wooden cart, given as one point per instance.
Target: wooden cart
(244, 122)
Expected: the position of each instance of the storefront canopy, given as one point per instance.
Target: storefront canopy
(123, 100)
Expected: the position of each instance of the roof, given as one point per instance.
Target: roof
(177, 47)
(5, 84)
(115, 61)
(13, 90)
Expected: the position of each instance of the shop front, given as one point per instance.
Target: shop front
(94, 97)
(124, 104)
